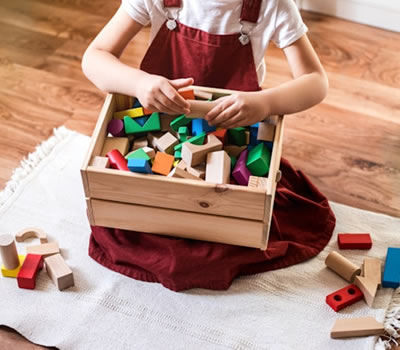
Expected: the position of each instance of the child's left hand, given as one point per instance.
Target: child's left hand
(240, 109)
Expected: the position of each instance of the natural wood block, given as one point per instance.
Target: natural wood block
(26, 277)
(368, 288)
(181, 165)
(202, 95)
(218, 167)
(8, 251)
(342, 266)
(150, 152)
(165, 120)
(258, 182)
(198, 170)
(266, 131)
(198, 109)
(166, 143)
(195, 154)
(100, 162)
(13, 272)
(45, 249)
(372, 270)
(183, 174)
(152, 138)
(139, 142)
(59, 272)
(119, 143)
(162, 163)
(356, 327)
(234, 150)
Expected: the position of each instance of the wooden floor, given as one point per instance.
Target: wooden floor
(349, 145)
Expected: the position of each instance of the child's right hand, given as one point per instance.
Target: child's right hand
(159, 94)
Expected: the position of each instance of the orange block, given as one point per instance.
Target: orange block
(163, 163)
(147, 111)
(187, 94)
(221, 134)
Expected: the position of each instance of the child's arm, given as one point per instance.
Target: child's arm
(308, 88)
(102, 66)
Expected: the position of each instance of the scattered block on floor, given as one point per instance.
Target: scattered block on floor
(198, 170)
(32, 232)
(237, 136)
(119, 143)
(100, 162)
(372, 269)
(266, 131)
(240, 173)
(197, 154)
(8, 252)
(117, 160)
(391, 274)
(342, 266)
(166, 143)
(116, 127)
(218, 167)
(234, 151)
(258, 160)
(344, 297)
(26, 277)
(356, 327)
(179, 121)
(368, 288)
(183, 174)
(137, 154)
(201, 125)
(163, 163)
(45, 249)
(139, 165)
(139, 143)
(131, 113)
(202, 95)
(59, 272)
(13, 272)
(354, 241)
(152, 124)
(187, 93)
(258, 182)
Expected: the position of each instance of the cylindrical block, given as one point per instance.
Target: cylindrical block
(117, 160)
(343, 267)
(116, 127)
(8, 251)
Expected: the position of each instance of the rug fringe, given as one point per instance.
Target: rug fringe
(29, 163)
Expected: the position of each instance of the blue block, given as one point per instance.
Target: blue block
(142, 120)
(139, 165)
(136, 104)
(269, 145)
(201, 125)
(391, 276)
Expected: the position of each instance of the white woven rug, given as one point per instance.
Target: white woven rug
(282, 309)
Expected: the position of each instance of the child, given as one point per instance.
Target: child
(214, 43)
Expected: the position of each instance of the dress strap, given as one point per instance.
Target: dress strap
(250, 10)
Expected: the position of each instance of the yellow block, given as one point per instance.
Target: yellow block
(13, 273)
(176, 162)
(133, 113)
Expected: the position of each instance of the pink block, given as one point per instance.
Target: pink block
(240, 173)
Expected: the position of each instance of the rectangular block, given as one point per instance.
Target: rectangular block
(344, 297)
(356, 327)
(101, 162)
(45, 249)
(132, 113)
(372, 269)
(119, 143)
(218, 168)
(354, 241)
(26, 277)
(391, 275)
(59, 272)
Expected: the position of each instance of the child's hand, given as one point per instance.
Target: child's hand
(160, 94)
(241, 109)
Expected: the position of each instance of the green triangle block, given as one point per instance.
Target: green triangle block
(237, 136)
(138, 154)
(258, 160)
(196, 140)
(180, 121)
(152, 124)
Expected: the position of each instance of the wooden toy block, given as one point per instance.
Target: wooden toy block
(222, 135)
(199, 109)
(183, 133)
(32, 232)
(254, 134)
(218, 168)
(178, 155)
(26, 277)
(368, 288)
(266, 131)
(136, 103)
(258, 182)
(149, 151)
(178, 122)
(343, 267)
(354, 241)
(59, 271)
(117, 160)
(162, 163)
(152, 138)
(202, 95)
(142, 120)
(100, 162)
(258, 160)
(183, 174)
(356, 327)
(45, 249)
(240, 173)
(187, 93)
(247, 134)
(237, 136)
(196, 140)
(119, 143)
(166, 121)
(152, 124)
(138, 154)
(180, 164)
(344, 297)
(139, 165)
(8, 252)
(198, 170)
(13, 272)
(139, 142)
(201, 126)
(116, 127)
(131, 113)
(372, 269)
(195, 154)
(391, 274)
(233, 150)
(166, 143)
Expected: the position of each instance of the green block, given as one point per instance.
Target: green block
(196, 140)
(178, 155)
(133, 127)
(180, 121)
(233, 162)
(138, 154)
(237, 136)
(258, 160)
(183, 133)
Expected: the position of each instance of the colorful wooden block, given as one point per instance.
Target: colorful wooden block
(132, 113)
(354, 241)
(149, 151)
(26, 277)
(166, 143)
(59, 271)
(258, 182)
(202, 95)
(344, 297)
(218, 167)
(139, 165)
(196, 154)
(372, 269)
(8, 252)
(116, 127)
(179, 121)
(201, 126)
(119, 143)
(196, 140)
(258, 160)
(138, 154)
(183, 174)
(139, 142)
(266, 131)
(222, 135)
(356, 327)
(183, 133)
(368, 288)
(13, 272)
(136, 103)
(152, 124)
(198, 170)
(391, 274)
(254, 134)
(233, 161)
(342, 266)
(117, 160)
(142, 120)
(45, 249)
(237, 136)
(100, 162)
(240, 173)
(178, 155)
(162, 163)
(234, 151)
(187, 93)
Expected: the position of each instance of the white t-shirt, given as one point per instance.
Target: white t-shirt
(279, 21)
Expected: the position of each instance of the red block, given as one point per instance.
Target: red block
(354, 241)
(344, 297)
(117, 160)
(221, 134)
(27, 274)
(187, 94)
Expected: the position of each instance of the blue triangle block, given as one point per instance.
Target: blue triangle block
(142, 120)
(137, 104)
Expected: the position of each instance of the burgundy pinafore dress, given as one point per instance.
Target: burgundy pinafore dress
(302, 222)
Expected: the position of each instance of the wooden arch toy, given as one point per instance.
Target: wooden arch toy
(31, 232)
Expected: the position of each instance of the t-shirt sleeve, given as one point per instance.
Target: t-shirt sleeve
(289, 25)
(138, 9)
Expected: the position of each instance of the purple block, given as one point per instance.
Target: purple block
(240, 173)
(116, 127)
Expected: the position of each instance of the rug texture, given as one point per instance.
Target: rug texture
(278, 310)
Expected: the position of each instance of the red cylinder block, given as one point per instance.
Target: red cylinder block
(117, 160)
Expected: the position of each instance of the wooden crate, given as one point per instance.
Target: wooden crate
(186, 208)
